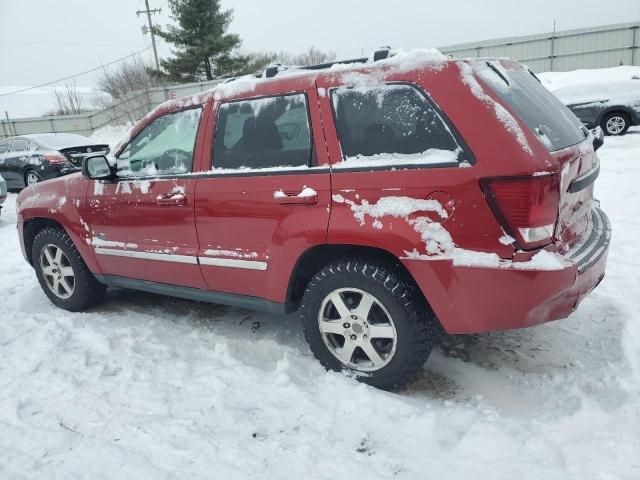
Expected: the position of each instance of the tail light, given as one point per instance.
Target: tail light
(527, 207)
(55, 158)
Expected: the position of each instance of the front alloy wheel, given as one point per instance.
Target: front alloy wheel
(62, 273)
(57, 271)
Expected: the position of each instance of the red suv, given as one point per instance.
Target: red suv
(381, 199)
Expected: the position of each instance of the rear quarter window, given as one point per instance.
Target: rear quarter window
(391, 125)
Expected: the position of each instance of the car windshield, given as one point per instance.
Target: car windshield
(555, 125)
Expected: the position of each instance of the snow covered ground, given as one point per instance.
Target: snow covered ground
(148, 387)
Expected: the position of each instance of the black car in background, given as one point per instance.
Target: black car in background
(30, 159)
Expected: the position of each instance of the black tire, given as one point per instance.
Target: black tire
(416, 327)
(31, 172)
(87, 291)
(621, 125)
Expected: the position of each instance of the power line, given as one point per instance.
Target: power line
(67, 44)
(76, 75)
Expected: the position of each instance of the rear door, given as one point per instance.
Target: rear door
(142, 225)
(267, 198)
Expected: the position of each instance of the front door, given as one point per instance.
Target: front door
(267, 198)
(142, 225)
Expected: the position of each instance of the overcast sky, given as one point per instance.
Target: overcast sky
(43, 40)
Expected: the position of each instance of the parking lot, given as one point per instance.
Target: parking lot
(152, 385)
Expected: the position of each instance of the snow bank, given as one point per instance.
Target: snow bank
(111, 134)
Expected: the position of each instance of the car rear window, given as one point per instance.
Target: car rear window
(555, 125)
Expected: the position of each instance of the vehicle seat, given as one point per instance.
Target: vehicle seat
(260, 134)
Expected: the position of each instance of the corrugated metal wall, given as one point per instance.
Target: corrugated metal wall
(596, 47)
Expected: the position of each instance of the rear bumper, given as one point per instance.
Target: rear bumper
(475, 299)
(55, 171)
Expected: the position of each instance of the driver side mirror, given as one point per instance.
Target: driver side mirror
(97, 167)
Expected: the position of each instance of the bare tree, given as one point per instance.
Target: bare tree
(130, 76)
(68, 101)
(312, 56)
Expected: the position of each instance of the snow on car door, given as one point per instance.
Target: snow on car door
(267, 198)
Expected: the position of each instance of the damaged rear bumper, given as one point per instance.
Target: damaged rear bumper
(481, 299)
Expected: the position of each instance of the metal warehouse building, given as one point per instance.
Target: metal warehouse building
(595, 47)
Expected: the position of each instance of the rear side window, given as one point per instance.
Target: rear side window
(20, 146)
(4, 147)
(263, 133)
(391, 124)
(555, 125)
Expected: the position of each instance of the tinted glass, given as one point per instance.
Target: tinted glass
(389, 121)
(164, 147)
(556, 126)
(263, 133)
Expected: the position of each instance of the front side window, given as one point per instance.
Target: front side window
(263, 133)
(4, 147)
(164, 147)
(391, 125)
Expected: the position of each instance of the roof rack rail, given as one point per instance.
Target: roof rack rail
(380, 54)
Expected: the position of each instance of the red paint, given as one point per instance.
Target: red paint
(240, 214)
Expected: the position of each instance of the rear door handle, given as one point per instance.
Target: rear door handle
(302, 198)
(171, 199)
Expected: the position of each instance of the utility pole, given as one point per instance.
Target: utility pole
(148, 11)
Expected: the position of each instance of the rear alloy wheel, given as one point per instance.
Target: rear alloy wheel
(357, 329)
(615, 123)
(63, 275)
(367, 318)
(31, 178)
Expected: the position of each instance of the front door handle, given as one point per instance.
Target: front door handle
(305, 197)
(171, 199)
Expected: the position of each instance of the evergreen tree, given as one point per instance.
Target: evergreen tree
(203, 48)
